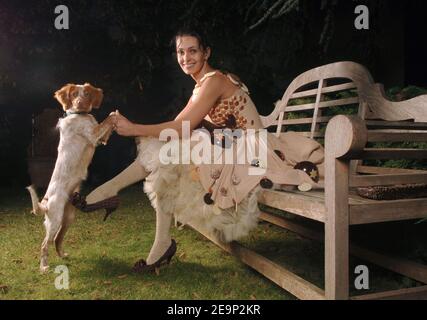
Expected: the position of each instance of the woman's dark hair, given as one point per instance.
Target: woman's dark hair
(193, 32)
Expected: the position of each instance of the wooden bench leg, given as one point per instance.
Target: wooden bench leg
(336, 230)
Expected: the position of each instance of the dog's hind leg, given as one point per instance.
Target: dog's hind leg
(69, 216)
(52, 223)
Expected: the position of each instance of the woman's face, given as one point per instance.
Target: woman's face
(191, 57)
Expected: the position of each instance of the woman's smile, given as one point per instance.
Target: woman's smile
(189, 65)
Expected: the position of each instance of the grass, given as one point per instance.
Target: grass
(102, 254)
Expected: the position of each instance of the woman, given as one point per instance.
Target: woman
(221, 198)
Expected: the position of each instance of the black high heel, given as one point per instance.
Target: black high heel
(141, 265)
(110, 204)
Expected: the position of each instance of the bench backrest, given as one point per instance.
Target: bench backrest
(315, 96)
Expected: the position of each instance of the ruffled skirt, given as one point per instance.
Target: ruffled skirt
(222, 198)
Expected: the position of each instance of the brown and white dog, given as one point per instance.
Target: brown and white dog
(79, 135)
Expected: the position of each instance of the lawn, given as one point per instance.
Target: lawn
(102, 254)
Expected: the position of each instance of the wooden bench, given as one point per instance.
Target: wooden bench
(335, 88)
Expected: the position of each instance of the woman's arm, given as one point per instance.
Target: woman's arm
(194, 112)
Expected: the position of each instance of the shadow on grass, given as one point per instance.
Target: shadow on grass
(176, 273)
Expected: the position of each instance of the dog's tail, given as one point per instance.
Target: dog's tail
(38, 208)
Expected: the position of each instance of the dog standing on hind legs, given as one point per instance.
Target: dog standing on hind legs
(80, 133)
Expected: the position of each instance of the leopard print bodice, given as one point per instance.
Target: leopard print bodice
(235, 112)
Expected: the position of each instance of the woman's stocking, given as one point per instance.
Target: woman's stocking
(132, 174)
(162, 240)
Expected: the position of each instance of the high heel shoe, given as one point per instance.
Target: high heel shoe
(141, 266)
(109, 204)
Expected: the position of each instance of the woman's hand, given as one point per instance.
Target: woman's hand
(123, 126)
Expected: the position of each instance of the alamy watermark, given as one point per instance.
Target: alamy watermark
(223, 146)
(362, 280)
(63, 280)
(62, 21)
(362, 20)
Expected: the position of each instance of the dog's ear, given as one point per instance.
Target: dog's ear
(96, 95)
(63, 96)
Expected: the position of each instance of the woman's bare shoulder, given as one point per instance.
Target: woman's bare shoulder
(216, 74)
(216, 79)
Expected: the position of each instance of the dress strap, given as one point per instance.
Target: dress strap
(207, 75)
(230, 76)
(234, 80)
(237, 82)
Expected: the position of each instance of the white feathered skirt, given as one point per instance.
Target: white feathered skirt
(172, 189)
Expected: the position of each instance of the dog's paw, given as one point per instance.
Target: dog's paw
(63, 255)
(44, 269)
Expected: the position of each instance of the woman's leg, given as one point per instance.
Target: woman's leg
(162, 239)
(132, 174)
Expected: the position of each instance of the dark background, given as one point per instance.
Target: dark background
(123, 48)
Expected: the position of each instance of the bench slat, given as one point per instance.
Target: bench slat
(398, 135)
(313, 208)
(384, 170)
(281, 276)
(323, 104)
(393, 153)
(308, 134)
(388, 179)
(415, 293)
(316, 111)
(377, 124)
(312, 205)
(312, 135)
(304, 121)
(313, 92)
(390, 210)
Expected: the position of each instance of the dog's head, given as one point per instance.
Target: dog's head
(79, 98)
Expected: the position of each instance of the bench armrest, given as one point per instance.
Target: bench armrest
(345, 137)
